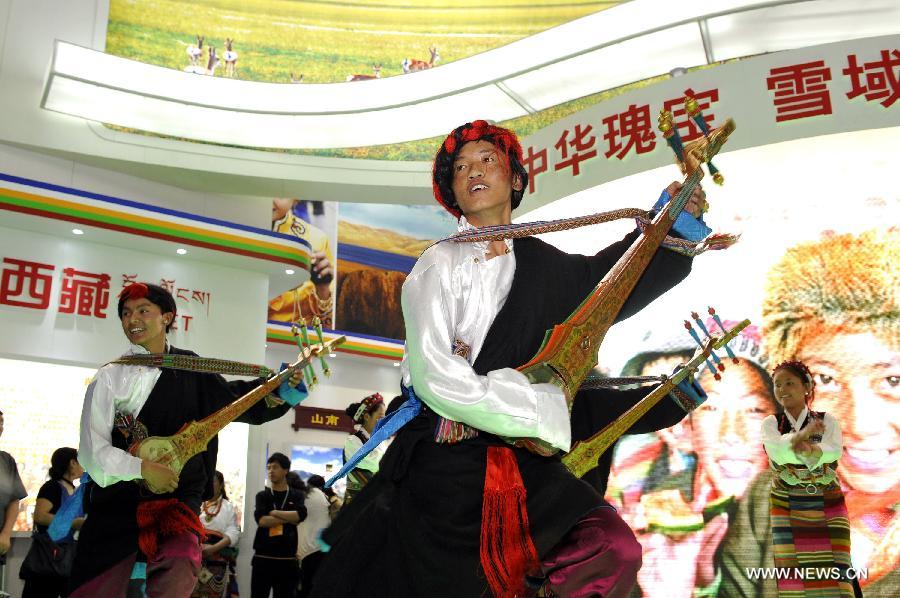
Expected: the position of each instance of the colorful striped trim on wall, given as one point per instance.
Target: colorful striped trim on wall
(356, 344)
(56, 202)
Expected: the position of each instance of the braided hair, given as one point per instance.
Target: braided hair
(367, 406)
(504, 140)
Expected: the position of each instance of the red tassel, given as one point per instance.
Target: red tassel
(163, 518)
(507, 552)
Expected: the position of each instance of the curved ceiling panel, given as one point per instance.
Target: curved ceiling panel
(630, 42)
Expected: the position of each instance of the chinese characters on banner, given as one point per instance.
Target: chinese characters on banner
(317, 418)
(623, 133)
(796, 91)
(28, 284)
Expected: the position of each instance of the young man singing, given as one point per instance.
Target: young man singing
(455, 510)
(134, 398)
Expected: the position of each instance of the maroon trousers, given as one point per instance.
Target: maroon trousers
(598, 557)
(172, 573)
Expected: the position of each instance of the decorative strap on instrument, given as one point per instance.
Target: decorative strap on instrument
(193, 363)
(642, 217)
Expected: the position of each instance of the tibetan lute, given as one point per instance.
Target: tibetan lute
(569, 351)
(584, 454)
(174, 451)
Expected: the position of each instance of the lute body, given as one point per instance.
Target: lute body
(193, 438)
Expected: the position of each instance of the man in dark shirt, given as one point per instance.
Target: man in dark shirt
(278, 511)
(11, 492)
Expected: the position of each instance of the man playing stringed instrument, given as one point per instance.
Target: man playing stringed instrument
(455, 510)
(127, 401)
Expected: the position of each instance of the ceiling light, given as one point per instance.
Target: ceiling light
(77, 231)
(288, 271)
(181, 251)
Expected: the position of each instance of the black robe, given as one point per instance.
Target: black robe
(414, 530)
(110, 532)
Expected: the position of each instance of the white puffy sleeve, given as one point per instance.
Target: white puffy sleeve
(105, 463)
(371, 460)
(231, 525)
(503, 402)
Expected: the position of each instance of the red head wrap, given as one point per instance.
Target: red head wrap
(442, 171)
(136, 290)
(155, 294)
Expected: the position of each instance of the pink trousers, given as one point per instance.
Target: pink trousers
(172, 573)
(598, 557)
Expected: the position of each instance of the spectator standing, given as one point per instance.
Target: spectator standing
(12, 490)
(219, 551)
(318, 517)
(278, 511)
(64, 470)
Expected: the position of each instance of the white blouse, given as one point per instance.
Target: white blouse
(778, 446)
(115, 387)
(453, 294)
(317, 519)
(225, 522)
(371, 460)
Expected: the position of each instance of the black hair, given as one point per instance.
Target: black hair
(281, 459)
(294, 481)
(218, 475)
(316, 481)
(394, 405)
(155, 294)
(60, 460)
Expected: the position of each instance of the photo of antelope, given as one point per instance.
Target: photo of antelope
(211, 65)
(410, 65)
(194, 52)
(376, 68)
(324, 42)
(230, 57)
